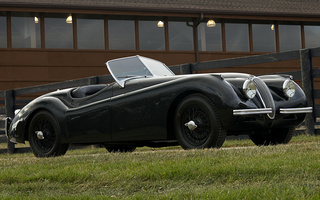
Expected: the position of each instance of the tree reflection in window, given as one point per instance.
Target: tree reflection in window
(151, 36)
(263, 38)
(312, 35)
(209, 38)
(25, 30)
(289, 37)
(180, 36)
(121, 34)
(90, 32)
(58, 33)
(237, 37)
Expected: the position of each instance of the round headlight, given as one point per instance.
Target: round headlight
(249, 89)
(289, 88)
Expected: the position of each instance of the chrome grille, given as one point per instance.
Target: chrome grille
(265, 96)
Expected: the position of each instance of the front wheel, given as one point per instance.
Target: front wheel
(45, 136)
(197, 124)
(272, 136)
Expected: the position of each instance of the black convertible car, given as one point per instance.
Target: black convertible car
(150, 106)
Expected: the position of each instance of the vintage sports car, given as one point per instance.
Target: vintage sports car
(149, 105)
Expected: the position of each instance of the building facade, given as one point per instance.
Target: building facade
(51, 41)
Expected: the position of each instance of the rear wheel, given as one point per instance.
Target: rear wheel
(45, 136)
(272, 136)
(197, 124)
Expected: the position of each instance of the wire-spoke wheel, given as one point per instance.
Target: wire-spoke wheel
(272, 136)
(197, 124)
(45, 136)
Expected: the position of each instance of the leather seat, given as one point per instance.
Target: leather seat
(85, 91)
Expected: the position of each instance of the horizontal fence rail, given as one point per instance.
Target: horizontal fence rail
(10, 102)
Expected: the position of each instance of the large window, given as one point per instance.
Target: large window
(90, 32)
(151, 35)
(3, 30)
(289, 37)
(237, 37)
(209, 38)
(58, 33)
(25, 30)
(180, 36)
(312, 36)
(121, 34)
(263, 38)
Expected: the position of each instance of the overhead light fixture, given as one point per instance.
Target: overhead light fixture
(211, 23)
(69, 19)
(36, 20)
(160, 24)
(272, 27)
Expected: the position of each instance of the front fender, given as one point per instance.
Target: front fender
(18, 129)
(219, 91)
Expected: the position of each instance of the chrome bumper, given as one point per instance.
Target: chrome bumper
(296, 110)
(252, 111)
(259, 111)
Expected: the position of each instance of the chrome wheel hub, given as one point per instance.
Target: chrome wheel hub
(40, 135)
(191, 125)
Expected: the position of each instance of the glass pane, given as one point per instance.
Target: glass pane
(121, 34)
(3, 30)
(237, 37)
(209, 38)
(156, 67)
(90, 32)
(289, 37)
(151, 37)
(312, 36)
(263, 38)
(25, 30)
(58, 33)
(180, 36)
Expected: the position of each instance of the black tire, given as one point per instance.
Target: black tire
(209, 131)
(51, 144)
(120, 149)
(272, 136)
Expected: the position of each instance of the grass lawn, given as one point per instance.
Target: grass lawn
(239, 170)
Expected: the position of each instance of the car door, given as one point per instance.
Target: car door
(89, 119)
(132, 117)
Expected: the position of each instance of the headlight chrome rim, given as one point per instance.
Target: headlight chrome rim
(249, 89)
(289, 88)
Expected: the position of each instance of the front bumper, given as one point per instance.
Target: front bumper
(296, 110)
(258, 111)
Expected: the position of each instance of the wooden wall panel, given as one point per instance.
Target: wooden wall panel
(22, 68)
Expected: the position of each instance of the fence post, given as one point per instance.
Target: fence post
(10, 102)
(307, 86)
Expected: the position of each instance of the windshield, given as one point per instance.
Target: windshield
(124, 69)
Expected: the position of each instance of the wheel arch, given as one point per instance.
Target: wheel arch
(56, 109)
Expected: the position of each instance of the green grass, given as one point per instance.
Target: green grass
(246, 172)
